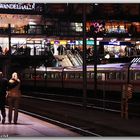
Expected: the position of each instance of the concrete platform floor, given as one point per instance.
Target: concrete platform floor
(28, 126)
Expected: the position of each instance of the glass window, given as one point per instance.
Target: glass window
(99, 76)
(77, 75)
(118, 75)
(45, 76)
(123, 75)
(57, 75)
(88, 75)
(112, 75)
(48, 76)
(137, 76)
(92, 75)
(81, 75)
(72, 75)
(51, 75)
(132, 77)
(66, 76)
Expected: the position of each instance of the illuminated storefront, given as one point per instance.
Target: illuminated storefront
(113, 26)
(18, 19)
(115, 49)
(29, 21)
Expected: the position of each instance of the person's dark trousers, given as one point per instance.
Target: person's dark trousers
(13, 103)
(3, 113)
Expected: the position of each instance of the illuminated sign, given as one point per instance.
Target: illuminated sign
(114, 43)
(18, 6)
(118, 43)
(80, 42)
(56, 42)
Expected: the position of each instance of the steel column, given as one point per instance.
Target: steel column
(84, 58)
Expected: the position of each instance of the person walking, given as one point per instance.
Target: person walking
(13, 97)
(3, 89)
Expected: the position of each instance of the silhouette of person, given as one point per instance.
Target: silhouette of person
(1, 51)
(26, 28)
(3, 89)
(14, 95)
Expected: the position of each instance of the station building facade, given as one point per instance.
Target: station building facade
(28, 31)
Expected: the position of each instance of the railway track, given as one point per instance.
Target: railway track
(68, 112)
(102, 103)
(77, 101)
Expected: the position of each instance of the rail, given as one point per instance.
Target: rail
(101, 103)
(77, 116)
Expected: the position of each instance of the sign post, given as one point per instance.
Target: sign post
(103, 79)
(127, 91)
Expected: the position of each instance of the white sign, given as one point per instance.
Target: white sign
(18, 6)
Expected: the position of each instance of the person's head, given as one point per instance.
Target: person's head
(1, 74)
(14, 75)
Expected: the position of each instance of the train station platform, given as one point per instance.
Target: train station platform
(29, 126)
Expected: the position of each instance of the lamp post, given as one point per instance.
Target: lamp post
(84, 58)
(95, 64)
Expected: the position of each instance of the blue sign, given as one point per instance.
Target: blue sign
(116, 43)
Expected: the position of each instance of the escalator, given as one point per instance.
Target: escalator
(75, 58)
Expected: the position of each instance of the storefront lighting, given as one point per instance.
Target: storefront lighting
(63, 42)
(127, 39)
(137, 42)
(76, 24)
(99, 38)
(114, 39)
(91, 38)
(56, 42)
(32, 23)
(52, 42)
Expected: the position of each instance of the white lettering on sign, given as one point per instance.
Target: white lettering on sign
(114, 43)
(20, 6)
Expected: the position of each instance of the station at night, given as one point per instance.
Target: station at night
(69, 69)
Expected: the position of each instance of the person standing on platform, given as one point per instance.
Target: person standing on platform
(3, 89)
(14, 94)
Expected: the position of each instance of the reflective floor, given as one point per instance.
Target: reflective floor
(32, 127)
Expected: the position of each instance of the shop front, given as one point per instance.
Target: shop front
(116, 49)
